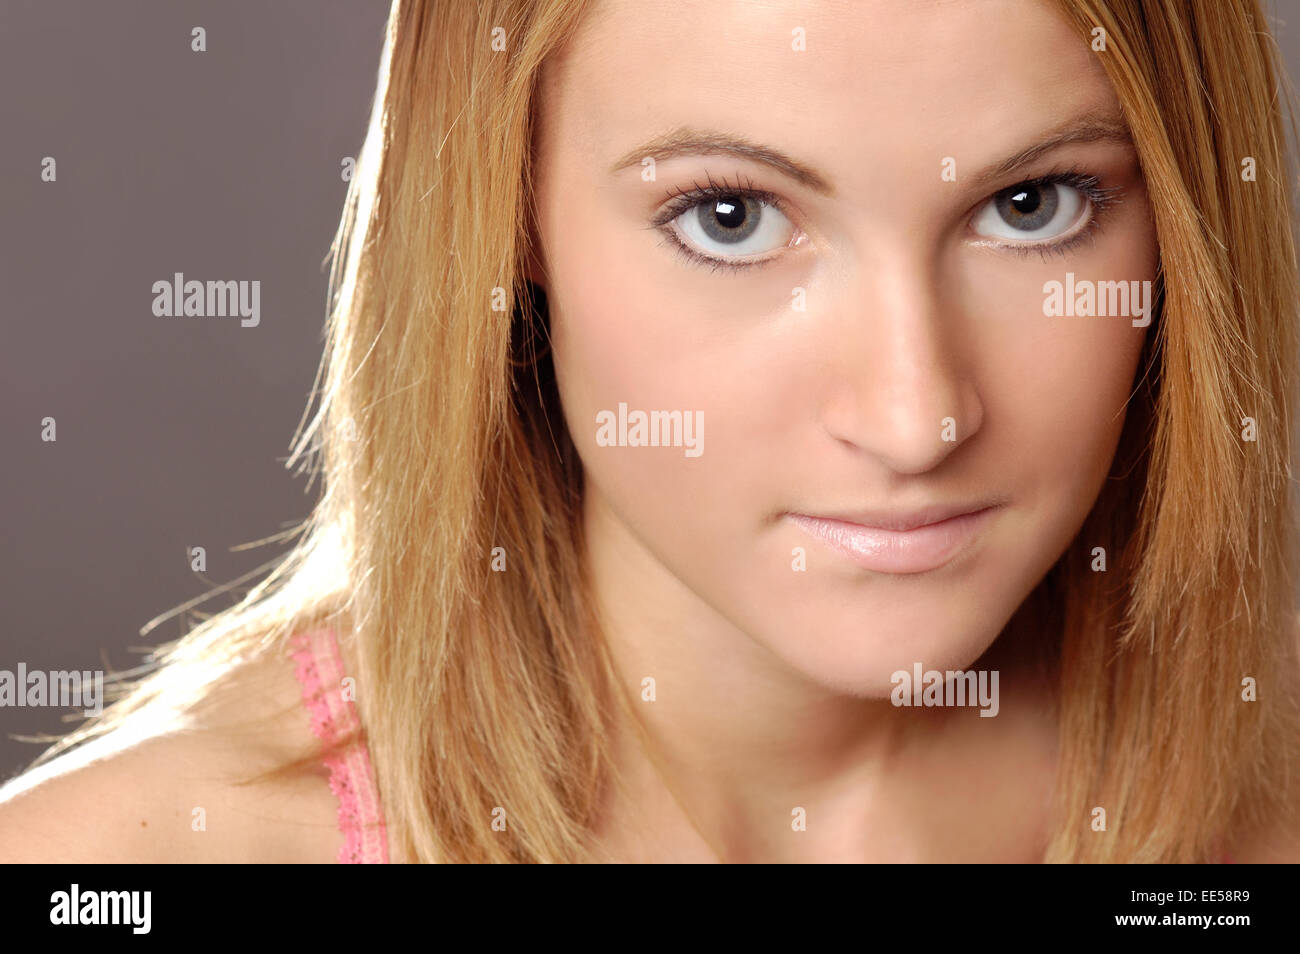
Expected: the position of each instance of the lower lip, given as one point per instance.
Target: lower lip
(919, 550)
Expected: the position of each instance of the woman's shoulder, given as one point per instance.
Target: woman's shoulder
(186, 791)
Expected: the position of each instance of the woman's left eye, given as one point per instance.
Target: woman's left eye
(727, 227)
(1032, 212)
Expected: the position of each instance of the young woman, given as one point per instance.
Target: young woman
(700, 378)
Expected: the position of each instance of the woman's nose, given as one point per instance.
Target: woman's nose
(898, 386)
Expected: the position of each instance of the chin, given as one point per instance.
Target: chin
(855, 650)
(850, 632)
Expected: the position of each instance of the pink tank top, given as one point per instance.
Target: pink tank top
(318, 664)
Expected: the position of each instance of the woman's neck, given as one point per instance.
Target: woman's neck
(745, 758)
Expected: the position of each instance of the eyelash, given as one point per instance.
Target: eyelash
(1100, 199)
(683, 200)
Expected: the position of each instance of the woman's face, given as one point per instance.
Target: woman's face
(855, 315)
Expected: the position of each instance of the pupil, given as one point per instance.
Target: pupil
(730, 212)
(1026, 201)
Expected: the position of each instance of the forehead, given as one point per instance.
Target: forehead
(879, 86)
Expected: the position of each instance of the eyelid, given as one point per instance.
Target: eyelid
(1063, 174)
(1099, 199)
(678, 200)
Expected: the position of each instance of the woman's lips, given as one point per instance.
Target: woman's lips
(900, 543)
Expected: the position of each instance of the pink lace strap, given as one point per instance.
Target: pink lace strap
(318, 665)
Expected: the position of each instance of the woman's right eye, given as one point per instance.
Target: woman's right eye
(728, 227)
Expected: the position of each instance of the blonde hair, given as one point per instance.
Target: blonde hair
(439, 438)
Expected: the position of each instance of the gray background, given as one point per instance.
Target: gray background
(172, 433)
(224, 165)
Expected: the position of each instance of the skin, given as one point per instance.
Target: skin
(772, 684)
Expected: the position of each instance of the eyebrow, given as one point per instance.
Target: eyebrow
(1083, 129)
(690, 142)
(685, 141)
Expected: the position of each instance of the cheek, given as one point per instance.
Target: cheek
(633, 324)
(630, 334)
(616, 345)
(1055, 388)
(1054, 397)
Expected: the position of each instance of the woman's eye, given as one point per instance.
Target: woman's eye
(1032, 211)
(733, 226)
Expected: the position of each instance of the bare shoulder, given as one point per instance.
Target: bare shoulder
(185, 792)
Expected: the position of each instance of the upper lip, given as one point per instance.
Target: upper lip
(902, 520)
